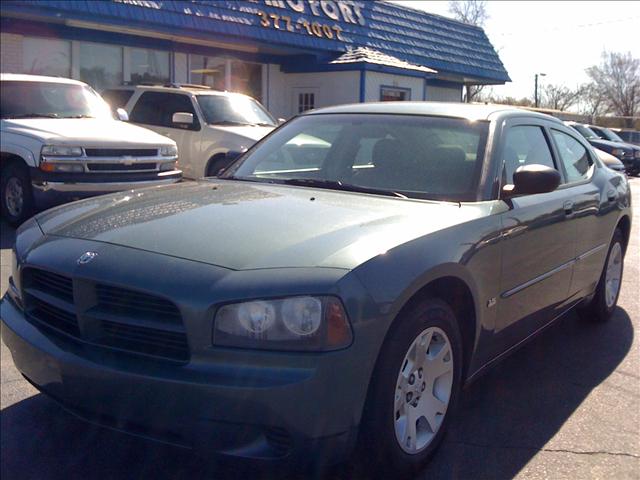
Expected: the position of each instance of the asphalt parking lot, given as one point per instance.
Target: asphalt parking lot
(566, 406)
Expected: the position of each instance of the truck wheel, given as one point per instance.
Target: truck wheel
(17, 198)
(216, 163)
(413, 390)
(603, 303)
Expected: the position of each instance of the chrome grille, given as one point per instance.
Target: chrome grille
(121, 167)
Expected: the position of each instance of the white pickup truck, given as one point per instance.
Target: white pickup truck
(59, 141)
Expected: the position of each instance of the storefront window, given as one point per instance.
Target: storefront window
(149, 66)
(246, 78)
(47, 56)
(209, 71)
(100, 65)
(394, 94)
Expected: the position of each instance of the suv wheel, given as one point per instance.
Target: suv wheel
(16, 200)
(413, 391)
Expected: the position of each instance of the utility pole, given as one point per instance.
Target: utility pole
(535, 94)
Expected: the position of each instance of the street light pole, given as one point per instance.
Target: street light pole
(535, 96)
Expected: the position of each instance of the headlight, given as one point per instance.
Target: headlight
(617, 152)
(636, 154)
(295, 323)
(61, 151)
(61, 167)
(169, 151)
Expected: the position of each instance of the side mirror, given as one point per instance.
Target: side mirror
(122, 114)
(182, 118)
(532, 179)
(281, 121)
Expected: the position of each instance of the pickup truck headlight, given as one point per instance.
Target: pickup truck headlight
(294, 323)
(169, 151)
(61, 151)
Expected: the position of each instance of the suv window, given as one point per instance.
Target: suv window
(525, 145)
(157, 108)
(117, 98)
(574, 157)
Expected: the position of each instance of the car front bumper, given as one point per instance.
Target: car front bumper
(53, 189)
(260, 411)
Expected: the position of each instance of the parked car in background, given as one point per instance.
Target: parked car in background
(610, 161)
(208, 125)
(622, 151)
(608, 134)
(326, 297)
(629, 136)
(60, 142)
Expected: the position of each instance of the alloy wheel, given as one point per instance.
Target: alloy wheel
(14, 197)
(423, 390)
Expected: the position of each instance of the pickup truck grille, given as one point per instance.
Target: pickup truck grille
(104, 315)
(121, 167)
(121, 152)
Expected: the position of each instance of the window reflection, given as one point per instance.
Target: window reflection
(47, 56)
(149, 66)
(100, 65)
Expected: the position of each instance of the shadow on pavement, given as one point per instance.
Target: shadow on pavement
(503, 419)
(7, 235)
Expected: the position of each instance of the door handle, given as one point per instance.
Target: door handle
(611, 195)
(568, 207)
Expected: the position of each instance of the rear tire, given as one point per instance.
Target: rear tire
(413, 391)
(16, 197)
(604, 301)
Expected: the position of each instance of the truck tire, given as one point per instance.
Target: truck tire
(16, 202)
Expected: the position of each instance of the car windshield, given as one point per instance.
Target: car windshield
(233, 110)
(611, 135)
(586, 132)
(51, 100)
(400, 155)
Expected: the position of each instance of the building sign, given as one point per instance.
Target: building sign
(311, 17)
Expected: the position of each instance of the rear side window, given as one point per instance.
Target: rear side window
(574, 157)
(525, 145)
(157, 108)
(117, 98)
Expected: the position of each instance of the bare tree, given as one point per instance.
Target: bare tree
(617, 80)
(591, 101)
(473, 12)
(559, 97)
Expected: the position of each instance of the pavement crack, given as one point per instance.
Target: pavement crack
(550, 450)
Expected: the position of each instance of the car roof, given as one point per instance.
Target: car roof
(187, 88)
(470, 111)
(16, 77)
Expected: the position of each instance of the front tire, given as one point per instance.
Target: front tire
(414, 390)
(604, 301)
(16, 198)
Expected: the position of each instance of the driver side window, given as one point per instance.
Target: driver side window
(524, 145)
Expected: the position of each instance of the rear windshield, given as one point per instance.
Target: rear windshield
(414, 156)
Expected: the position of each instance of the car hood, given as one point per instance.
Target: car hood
(251, 132)
(242, 225)
(607, 144)
(91, 132)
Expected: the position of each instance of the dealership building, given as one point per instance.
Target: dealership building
(292, 55)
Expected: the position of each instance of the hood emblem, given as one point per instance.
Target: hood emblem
(86, 257)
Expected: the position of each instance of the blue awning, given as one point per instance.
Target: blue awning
(327, 29)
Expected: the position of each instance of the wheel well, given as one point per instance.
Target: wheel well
(457, 294)
(214, 158)
(9, 158)
(625, 226)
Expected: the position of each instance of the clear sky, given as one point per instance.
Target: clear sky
(560, 39)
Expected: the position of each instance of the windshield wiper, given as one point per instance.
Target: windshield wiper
(78, 116)
(338, 185)
(33, 115)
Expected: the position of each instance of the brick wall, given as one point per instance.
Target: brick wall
(10, 53)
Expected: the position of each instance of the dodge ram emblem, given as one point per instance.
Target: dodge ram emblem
(86, 257)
